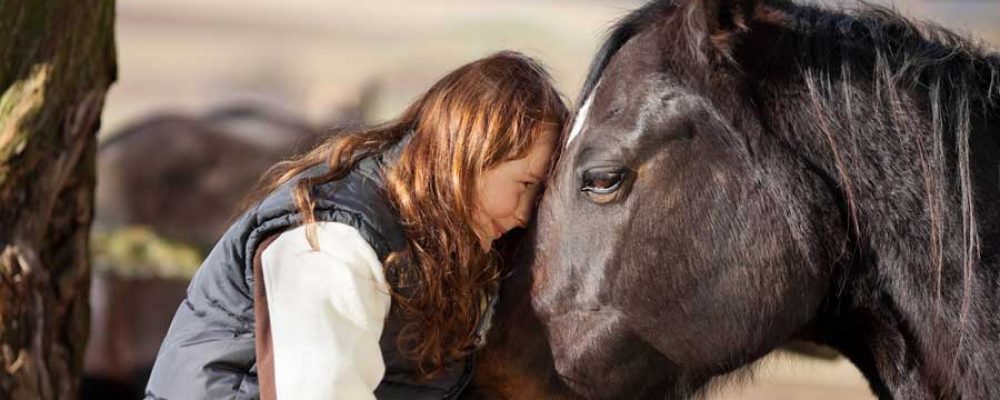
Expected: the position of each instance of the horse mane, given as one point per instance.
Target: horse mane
(928, 86)
(926, 44)
(905, 51)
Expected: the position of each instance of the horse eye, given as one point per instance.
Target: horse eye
(602, 182)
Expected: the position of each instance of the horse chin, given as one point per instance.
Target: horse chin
(598, 358)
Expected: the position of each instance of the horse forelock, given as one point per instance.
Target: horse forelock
(619, 34)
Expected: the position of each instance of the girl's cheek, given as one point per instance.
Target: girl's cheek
(496, 203)
(508, 202)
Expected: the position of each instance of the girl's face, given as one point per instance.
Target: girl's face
(506, 193)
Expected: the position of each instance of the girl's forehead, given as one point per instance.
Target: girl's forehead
(537, 161)
(534, 162)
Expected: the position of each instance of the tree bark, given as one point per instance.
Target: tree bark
(57, 59)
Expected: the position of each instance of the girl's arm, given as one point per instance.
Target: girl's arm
(326, 310)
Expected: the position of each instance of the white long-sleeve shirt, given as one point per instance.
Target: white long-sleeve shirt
(327, 309)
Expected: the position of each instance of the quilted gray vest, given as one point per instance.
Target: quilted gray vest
(208, 352)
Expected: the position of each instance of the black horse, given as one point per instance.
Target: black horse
(746, 172)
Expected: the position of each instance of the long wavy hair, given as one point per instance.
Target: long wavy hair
(481, 114)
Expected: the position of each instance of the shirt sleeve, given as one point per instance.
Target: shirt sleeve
(326, 309)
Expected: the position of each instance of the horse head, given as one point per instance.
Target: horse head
(745, 172)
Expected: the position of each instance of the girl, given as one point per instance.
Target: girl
(364, 268)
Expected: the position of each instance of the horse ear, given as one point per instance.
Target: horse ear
(714, 25)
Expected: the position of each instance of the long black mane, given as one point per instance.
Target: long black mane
(913, 45)
(905, 105)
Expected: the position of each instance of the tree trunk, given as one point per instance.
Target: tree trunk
(57, 59)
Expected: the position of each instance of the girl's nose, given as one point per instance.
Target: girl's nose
(526, 207)
(523, 214)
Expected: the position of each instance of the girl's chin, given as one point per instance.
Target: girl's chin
(486, 244)
(485, 239)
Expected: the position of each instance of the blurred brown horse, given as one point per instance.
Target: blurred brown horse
(182, 175)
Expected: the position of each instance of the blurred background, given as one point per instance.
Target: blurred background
(212, 93)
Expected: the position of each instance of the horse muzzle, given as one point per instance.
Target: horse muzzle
(598, 357)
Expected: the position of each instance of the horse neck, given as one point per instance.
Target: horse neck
(920, 320)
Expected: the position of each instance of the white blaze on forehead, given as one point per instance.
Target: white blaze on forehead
(581, 117)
